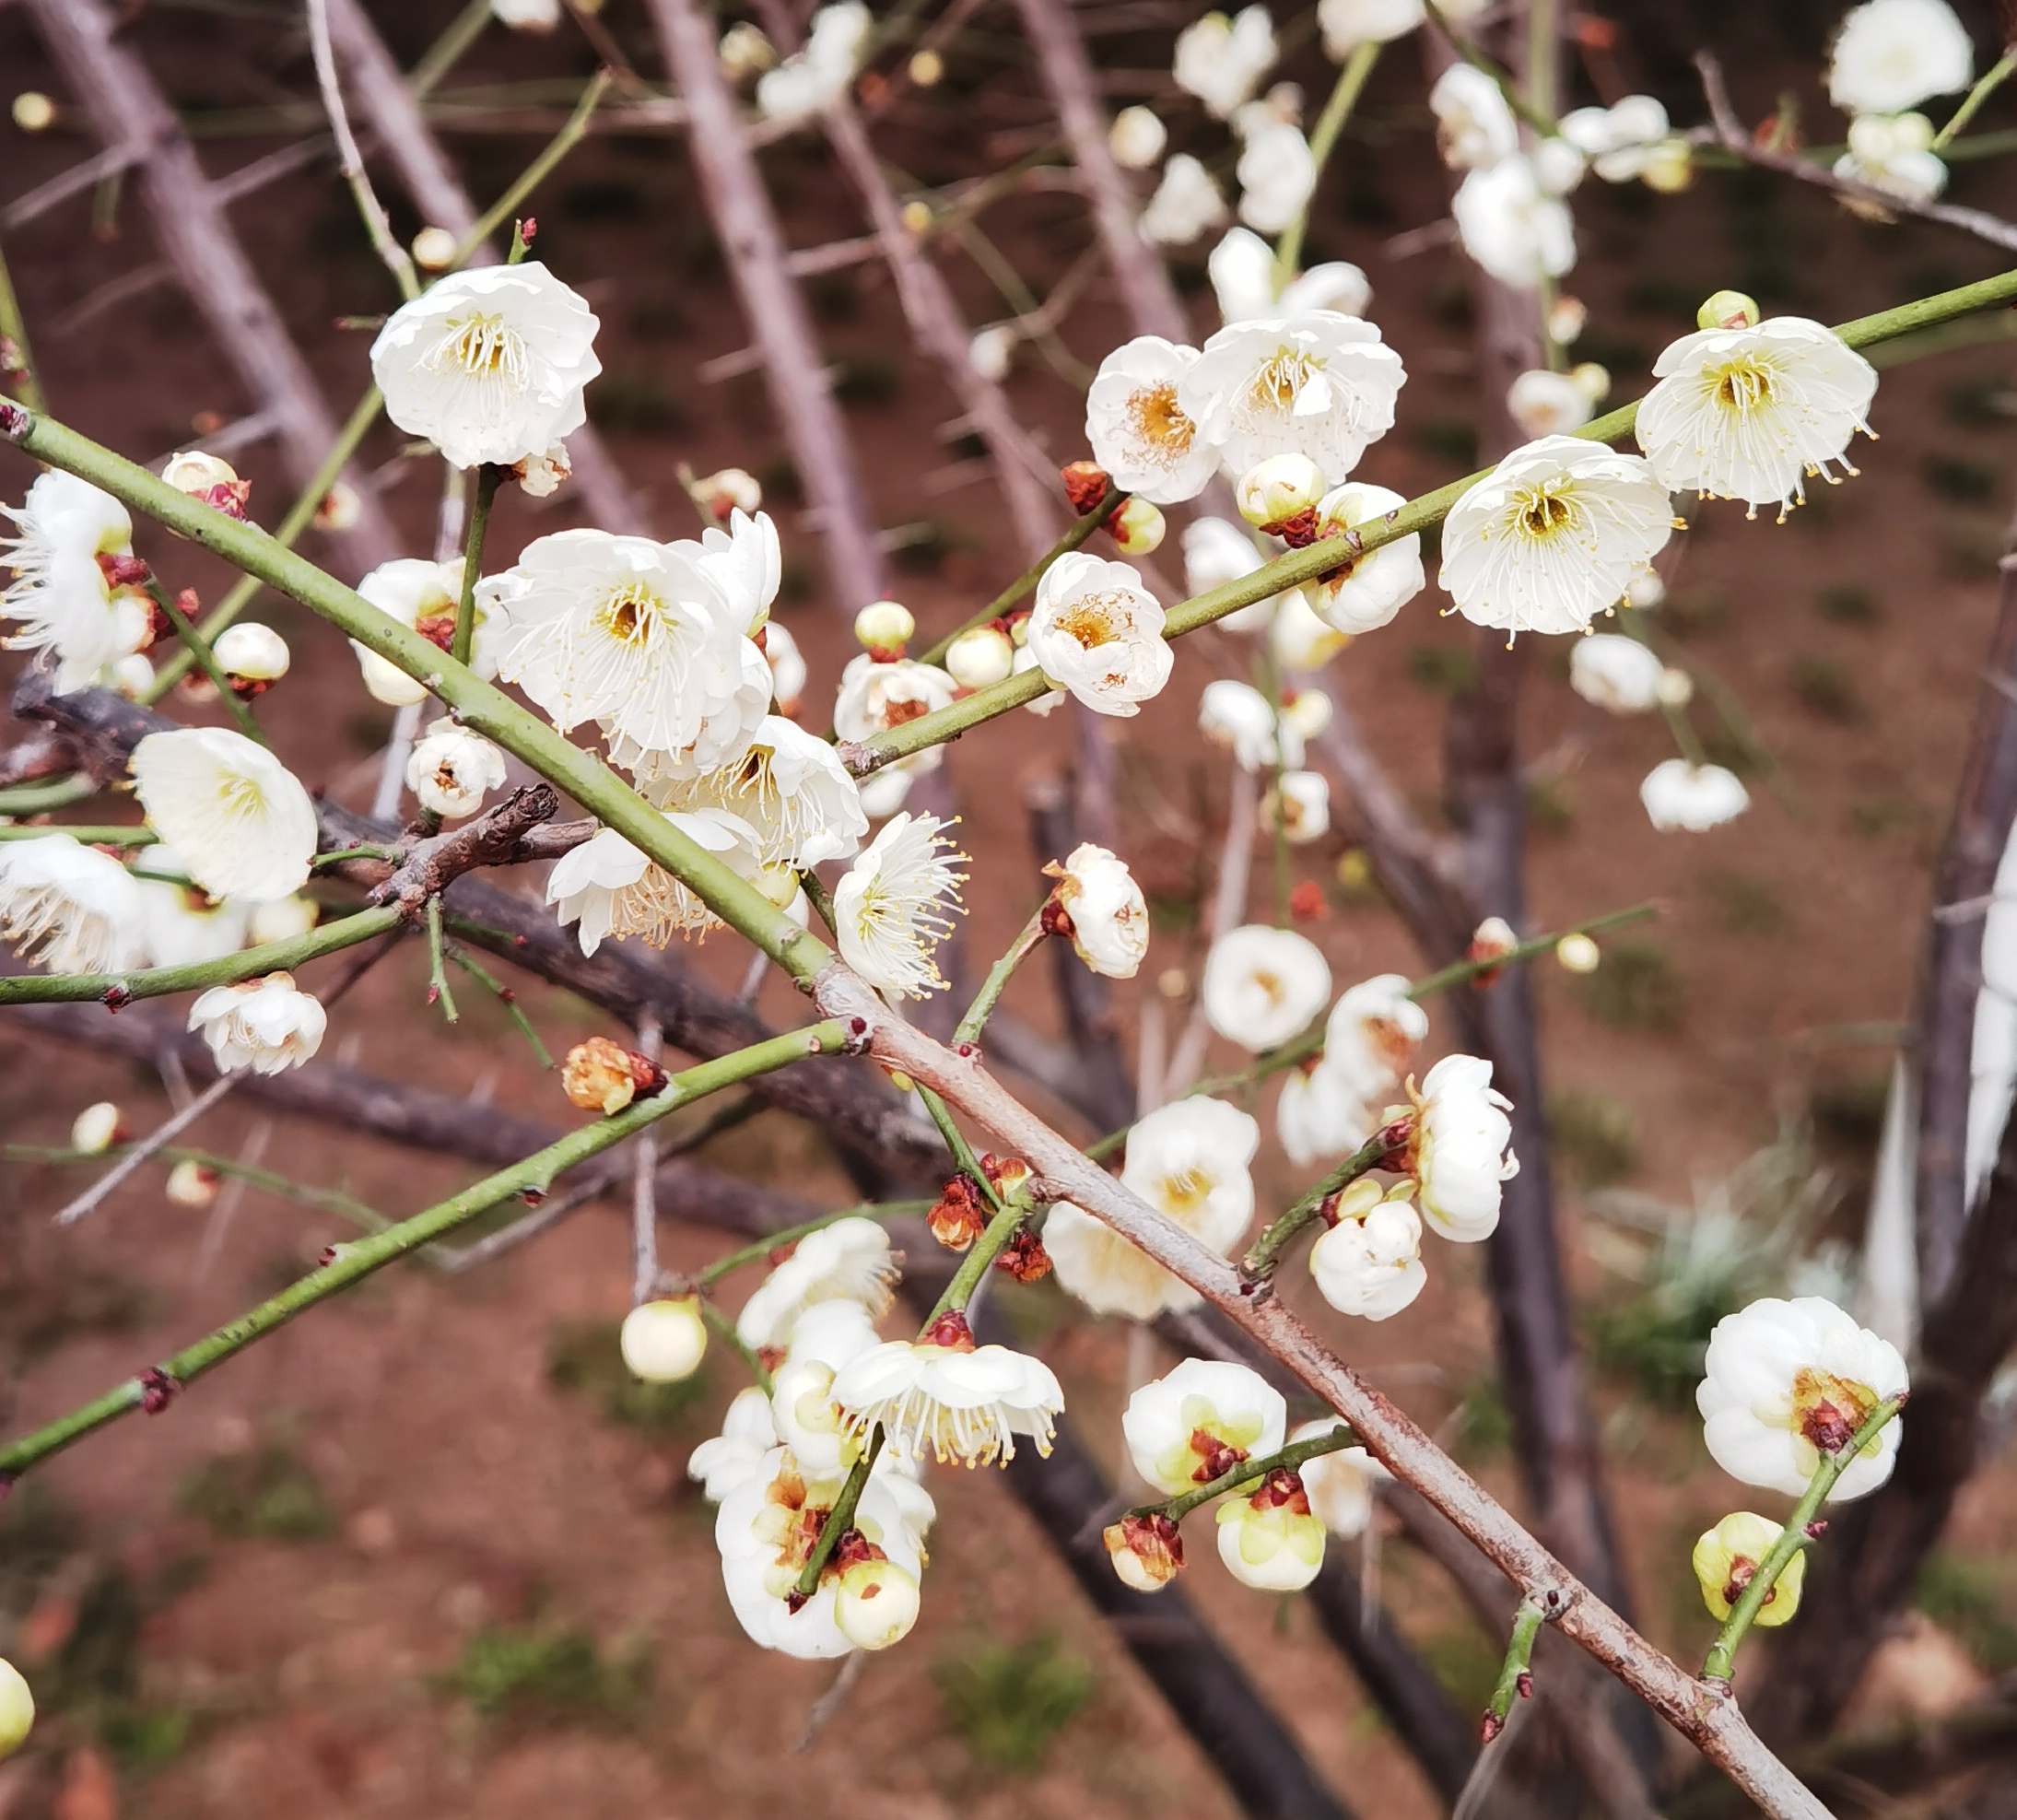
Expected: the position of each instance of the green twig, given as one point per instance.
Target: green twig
(363, 851)
(446, 52)
(725, 1328)
(197, 647)
(506, 998)
(45, 796)
(1722, 1657)
(999, 975)
(352, 1263)
(1972, 101)
(539, 170)
(1259, 1263)
(841, 1519)
(16, 356)
(759, 1251)
(438, 992)
(1516, 1678)
(322, 1199)
(91, 837)
(487, 478)
(1344, 94)
(1288, 1459)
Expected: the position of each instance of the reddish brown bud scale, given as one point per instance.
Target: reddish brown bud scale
(1299, 532)
(950, 1333)
(157, 1390)
(1025, 1259)
(1308, 903)
(1085, 484)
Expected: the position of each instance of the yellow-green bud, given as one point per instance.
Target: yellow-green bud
(984, 656)
(1728, 310)
(885, 627)
(664, 1341)
(927, 68)
(1675, 688)
(17, 1709)
(874, 1604)
(1592, 380)
(96, 1129)
(1577, 954)
(1137, 528)
(1279, 489)
(34, 112)
(1668, 168)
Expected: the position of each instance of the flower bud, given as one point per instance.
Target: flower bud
(728, 490)
(209, 478)
(979, 657)
(1668, 168)
(96, 1129)
(1675, 687)
(664, 1341)
(1085, 484)
(1492, 938)
(1577, 954)
(340, 509)
(1644, 590)
(1300, 806)
(1307, 711)
(1592, 380)
(927, 68)
(874, 1604)
(434, 249)
(917, 217)
(540, 476)
(958, 1218)
(16, 1703)
(133, 675)
(1270, 1541)
(253, 652)
(1282, 487)
(1146, 1551)
(1726, 1561)
(991, 351)
(745, 51)
(603, 1077)
(884, 626)
(1567, 316)
(1137, 528)
(1728, 310)
(283, 920)
(34, 112)
(1136, 138)
(192, 1185)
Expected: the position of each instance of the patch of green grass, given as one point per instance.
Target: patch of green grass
(867, 379)
(1848, 603)
(1596, 1138)
(1443, 668)
(1972, 1600)
(1959, 477)
(1008, 1701)
(1452, 440)
(1745, 904)
(1824, 690)
(534, 1673)
(1638, 988)
(268, 1492)
(585, 1358)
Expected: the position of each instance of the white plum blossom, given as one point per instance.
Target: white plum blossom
(1104, 914)
(1785, 1382)
(1553, 535)
(1200, 1421)
(1620, 140)
(876, 1603)
(964, 1403)
(1277, 173)
(1189, 1160)
(1892, 55)
(1893, 153)
(817, 75)
(1365, 593)
(526, 15)
(1347, 24)
(736, 1454)
(848, 1260)
(1371, 1036)
(1474, 127)
(1616, 674)
(241, 821)
(1749, 413)
(1545, 404)
(747, 565)
(68, 907)
(1298, 803)
(1097, 631)
(1246, 285)
(1695, 798)
(413, 592)
(1342, 1484)
(267, 1025)
(1369, 1262)
(876, 697)
(1300, 639)
(1186, 204)
(488, 363)
(63, 595)
(612, 888)
(1263, 985)
(96, 1129)
(896, 905)
(1268, 1539)
(788, 672)
(1136, 138)
(1511, 226)
(250, 652)
(1460, 1153)
(664, 1339)
(1321, 1113)
(453, 770)
(1221, 60)
(791, 789)
(181, 925)
(1137, 429)
(1319, 384)
(1236, 717)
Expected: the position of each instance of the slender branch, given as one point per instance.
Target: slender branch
(538, 170)
(89, 836)
(506, 998)
(1259, 1263)
(487, 478)
(1344, 95)
(16, 356)
(644, 1270)
(438, 992)
(999, 975)
(446, 52)
(766, 1247)
(724, 1328)
(1287, 1459)
(377, 223)
(319, 1200)
(197, 649)
(840, 1520)
(134, 1157)
(1516, 1680)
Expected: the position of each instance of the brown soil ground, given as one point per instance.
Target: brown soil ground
(295, 1593)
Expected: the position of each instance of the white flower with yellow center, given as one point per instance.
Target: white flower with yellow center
(1751, 413)
(633, 634)
(1097, 631)
(422, 596)
(70, 908)
(610, 889)
(241, 821)
(1369, 1262)
(1221, 60)
(1185, 204)
(820, 1338)
(876, 697)
(1319, 384)
(1545, 404)
(1616, 674)
(896, 905)
(1104, 914)
(1691, 797)
(1460, 1153)
(1372, 1033)
(1200, 1422)
(453, 770)
(267, 1025)
(965, 1403)
(1365, 593)
(1190, 1161)
(62, 594)
(1787, 1382)
(1263, 985)
(1553, 535)
(488, 364)
(846, 1261)
(790, 788)
(736, 1454)
(1138, 431)
(1342, 1486)
(1892, 55)
(1511, 226)
(1892, 152)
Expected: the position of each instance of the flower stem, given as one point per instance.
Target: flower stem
(1007, 1221)
(197, 647)
(1722, 1656)
(1271, 678)
(362, 852)
(352, 1263)
(44, 795)
(506, 998)
(1259, 1263)
(1344, 94)
(90, 836)
(438, 992)
(194, 976)
(999, 975)
(539, 170)
(1515, 1676)
(1080, 529)
(840, 1520)
(1971, 103)
(723, 1326)
(488, 476)
(446, 52)
(322, 1199)
(1288, 1459)
(15, 355)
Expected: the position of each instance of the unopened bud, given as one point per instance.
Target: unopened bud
(728, 490)
(34, 112)
(991, 352)
(1577, 954)
(1024, 1257)
(434, 249)
(664, 1341)
(1306, 902)
(1567, 316)
(1675, 687)
(209, 478)
(190, 1184)
(1728, 310)
(885, 627)
(982, 656)
(603, 1077)
(1491, 939)
(1280, 488)
(1085, 484)
(1592, 380)
(1136, 138)
(16, 1703)
(1147, 1552)
(917, 217)
(133, 675)
(1668, 168)
(256, 652)
(1137, 527)
(1726, 1561)
(340, 509)
(959, 1216)
(1644, 590)
(96, 1129)
(745, 51)
(927, 68)
(1271, 1540)
(1007, 1175)
(874, 1604)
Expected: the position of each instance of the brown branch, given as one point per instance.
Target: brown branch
(428, 864)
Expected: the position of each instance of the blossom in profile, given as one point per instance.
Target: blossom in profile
(1097, 631)
(849, 1260)
(1186, 203)
(1321, 1113)
(1726, 1559)
(1136, 138)
(1101, 910)
(1751, 413)
(1347, 24)
(1342, 1486)
(70, 908)
(1678, 794)
(1894, 153)
(1200, 1421)
(1616, 674)
(423, 597)
(1298, 803)
(1301, 640)
(526, 15)
(76, 590)
(1264, 985)
(725, 1461)
(1221, 60)
(1270, 1539)
(1459, 1152)
(1246, 285)
(1368, 1261)
(489, 363)
(16, 1708)
(452, 770)
(877, 696)
(1553, 535)
(1236, 718)
(1622, 141)
(965, 1403)
(610, 889)
(1136, 429)
(1474, 127)
(788, 672)
(1545, 404)
(1365, 593)
(1892, 55)
(1785, 1383)
(241, 821)
(267, 1025)
(1277, 173)
(1512, 226)
(896, 905)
